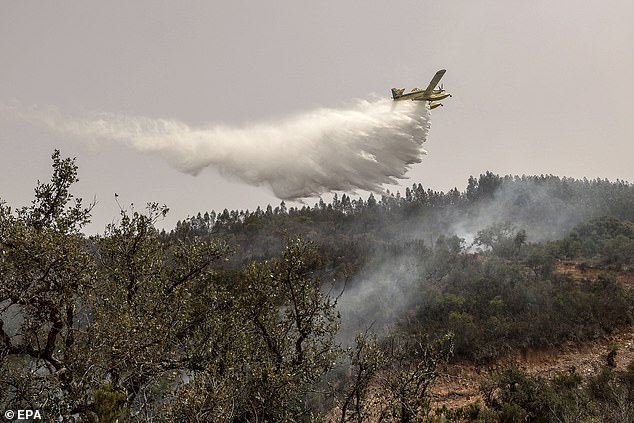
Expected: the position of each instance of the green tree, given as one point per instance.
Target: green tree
(46, 271)
(502, 239)
(149, 306)
(412, 366)
(366, 359)
(78, 315)
(278, 345)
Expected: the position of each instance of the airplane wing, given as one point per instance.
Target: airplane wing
(434, 81)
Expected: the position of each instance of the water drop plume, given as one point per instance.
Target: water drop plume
(362, 147)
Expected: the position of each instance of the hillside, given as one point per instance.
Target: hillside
(364, 307)
(460, 383)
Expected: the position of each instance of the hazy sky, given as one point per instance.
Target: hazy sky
(538, 87)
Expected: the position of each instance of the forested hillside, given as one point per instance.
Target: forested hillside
(343, 311)
(545, 207)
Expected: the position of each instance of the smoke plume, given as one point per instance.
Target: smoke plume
(366, 146)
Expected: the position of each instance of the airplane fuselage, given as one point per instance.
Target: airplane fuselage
(420, 95)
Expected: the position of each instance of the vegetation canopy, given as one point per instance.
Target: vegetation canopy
(346, 311)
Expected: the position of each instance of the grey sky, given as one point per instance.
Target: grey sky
(539, 86)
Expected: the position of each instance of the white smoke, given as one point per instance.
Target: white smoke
(380, 294)
(363, 147)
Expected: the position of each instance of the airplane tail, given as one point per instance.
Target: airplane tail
(396, 93)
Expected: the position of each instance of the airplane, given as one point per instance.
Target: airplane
(430, 94)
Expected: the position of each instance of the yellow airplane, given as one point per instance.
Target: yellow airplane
(430, 94)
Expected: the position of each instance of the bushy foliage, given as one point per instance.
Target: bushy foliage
(389, 380)
(495, 306)
(604, 241)
(137, 326)
(46, 273)
(517, 396)
(233, 316)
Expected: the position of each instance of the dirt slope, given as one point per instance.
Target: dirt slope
(460, 382)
